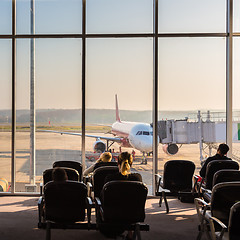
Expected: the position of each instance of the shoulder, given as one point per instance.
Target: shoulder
(135, 177)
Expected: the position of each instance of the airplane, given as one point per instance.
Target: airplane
(135, 135)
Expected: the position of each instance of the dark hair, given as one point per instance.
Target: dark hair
(59, 174)
(223, 148)
(125, 160)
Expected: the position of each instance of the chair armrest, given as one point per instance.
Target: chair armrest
(198, 184)
(212, 228)
(41, 189)
(207, 191)
(86, 179)
(99, 210)
(158, 179)
(199, 201)
(40, 200)
(89, 189)
(98, 202)
(40, 211)
(89, 204)
(222, 225)
(201, 205)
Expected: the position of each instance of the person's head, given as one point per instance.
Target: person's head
(105, 157)
(125, 161)
(223, 149)
(59, 174)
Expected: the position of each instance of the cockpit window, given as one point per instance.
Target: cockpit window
(151, 133)
(139, 133)
(145, 133)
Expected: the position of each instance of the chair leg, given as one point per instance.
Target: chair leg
(160, 201)
(137, 234)
(166, 203)
(199, 236)
(48, 231)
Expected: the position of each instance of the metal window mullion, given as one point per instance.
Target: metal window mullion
(229, 69)
(13, 156)
(155, 94)
(83, 80)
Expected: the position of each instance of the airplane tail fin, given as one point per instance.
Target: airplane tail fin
(117, 111)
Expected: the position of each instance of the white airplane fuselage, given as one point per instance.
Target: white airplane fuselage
(134, 134)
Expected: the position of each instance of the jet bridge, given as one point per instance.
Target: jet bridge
(177, 132)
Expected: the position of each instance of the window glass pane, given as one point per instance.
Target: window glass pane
(236, 16)
(191, 79)
(5, 17)
(57, 104)
(5, 114)
(236, 99)
(119, 16)
(122, 67)
(62, 16)
(192, 16)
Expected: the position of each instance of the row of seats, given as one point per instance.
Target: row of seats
(64, 204)
(218, 205)
(216, 196)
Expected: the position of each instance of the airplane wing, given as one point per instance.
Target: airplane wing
(87, 135)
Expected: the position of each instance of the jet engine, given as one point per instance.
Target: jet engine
(99, 146)
(170, 148)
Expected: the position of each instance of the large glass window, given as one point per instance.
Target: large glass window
(119, 16)
(191, 78)
(5, 17)
(192, 81)
(187, 16)
(57, 105)
(51, 17)
(236, 16)
(5, 114)
(121, 67)
(236, 99)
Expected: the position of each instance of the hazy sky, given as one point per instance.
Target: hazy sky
(191, 70)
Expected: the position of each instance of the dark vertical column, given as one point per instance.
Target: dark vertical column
(32, 99)
(155, 92)
(13, 96)
(229, 69)
(83, 79)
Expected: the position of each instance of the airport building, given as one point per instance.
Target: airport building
(71, 70)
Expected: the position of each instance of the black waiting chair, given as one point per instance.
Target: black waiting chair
(88, 179)
(176, 180)
(70, 164)
(122, 208)
(105, 164)
(212, 168)
(98, 180)
(230, 232)
(47, 176)
(225, 175)
(224, 196)
(65, 206)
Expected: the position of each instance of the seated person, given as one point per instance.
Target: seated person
(59, 175)
(104, 157)
(124, 162)
(221, 155)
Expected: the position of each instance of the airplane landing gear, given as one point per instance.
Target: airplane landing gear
(144, 159)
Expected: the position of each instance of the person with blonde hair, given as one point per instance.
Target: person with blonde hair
(104, 157)
(125, 161)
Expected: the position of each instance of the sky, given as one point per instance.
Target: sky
(192, 71)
